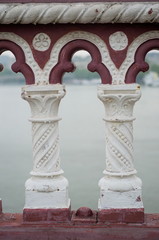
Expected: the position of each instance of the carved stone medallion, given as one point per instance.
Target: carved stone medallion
(118, 41)
(41, 42)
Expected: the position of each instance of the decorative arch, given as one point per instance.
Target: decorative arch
(20, 64)
(93, 39)
(131, 55)
(65, 65)
(140, 64)
(25, 48)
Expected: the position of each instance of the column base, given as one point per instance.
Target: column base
(117, 200)
(129, 215)
(120, 192)
(47, 193)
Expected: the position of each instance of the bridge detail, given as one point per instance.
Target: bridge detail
(43, 36)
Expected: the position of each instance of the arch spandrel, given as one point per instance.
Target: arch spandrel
(134, 62)
(20, 48)
(20, 64)
(117, 58)
(140, 64)
(65, 65)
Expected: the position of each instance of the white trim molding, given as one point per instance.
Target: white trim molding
(86, 12)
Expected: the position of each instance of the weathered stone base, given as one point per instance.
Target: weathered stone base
(47, 193)
(117, 200)
(120, 192)
(134, 215)
(47, 215)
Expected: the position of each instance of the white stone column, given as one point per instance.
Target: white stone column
(120, 187)
(46, 188)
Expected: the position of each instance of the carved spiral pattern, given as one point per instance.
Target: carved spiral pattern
(119, 148)
(46, 155)
(79, 13)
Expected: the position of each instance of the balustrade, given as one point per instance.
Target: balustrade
(120, 188)
(43, 54)
(47, 188)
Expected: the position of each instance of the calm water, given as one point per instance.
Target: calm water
(82, 145)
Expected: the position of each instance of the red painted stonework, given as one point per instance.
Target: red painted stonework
(12, 227)
(84, 215)
(121, 216)
(83, 224)
(140, 64)
(28, 32)
(36, 215)
(19, 65)
(65, 65)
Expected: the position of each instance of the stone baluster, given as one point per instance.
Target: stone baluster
(120, 187)
(47, 188)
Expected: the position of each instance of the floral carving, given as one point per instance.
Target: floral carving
(41, 42)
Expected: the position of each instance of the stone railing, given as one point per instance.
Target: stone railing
(43, 54)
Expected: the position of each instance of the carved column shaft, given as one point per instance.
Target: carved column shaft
(120, 187)
(46, 174)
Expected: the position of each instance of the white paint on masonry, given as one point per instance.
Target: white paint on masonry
(86, 12)
(120, 187)
(47, 187)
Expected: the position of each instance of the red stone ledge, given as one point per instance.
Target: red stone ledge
(84, 215)
(12, 227)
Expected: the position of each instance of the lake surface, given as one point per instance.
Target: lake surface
(82, 145)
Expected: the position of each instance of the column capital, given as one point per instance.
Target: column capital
(44, 101)
(119, 101)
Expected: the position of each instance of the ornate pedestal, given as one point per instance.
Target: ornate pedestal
(47, 188)
(120, 188)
